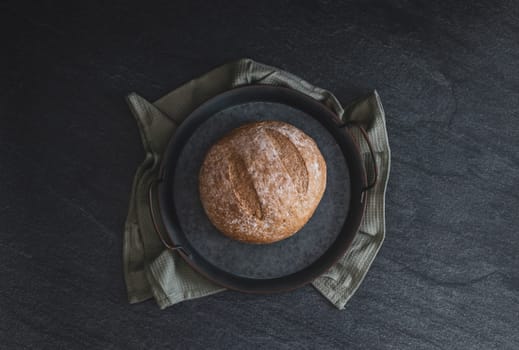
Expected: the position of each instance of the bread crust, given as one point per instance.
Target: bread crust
(262, 182)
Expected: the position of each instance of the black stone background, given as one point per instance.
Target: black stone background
(448, 74)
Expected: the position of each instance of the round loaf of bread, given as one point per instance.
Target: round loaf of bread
(262, 182)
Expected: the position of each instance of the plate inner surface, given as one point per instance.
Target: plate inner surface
(269, 260)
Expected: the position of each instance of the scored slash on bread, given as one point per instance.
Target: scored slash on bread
(291, 159)
(243, 186)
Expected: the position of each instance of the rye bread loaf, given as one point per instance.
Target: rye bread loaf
(262, 182)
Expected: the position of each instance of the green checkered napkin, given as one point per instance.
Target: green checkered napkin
(151, 270)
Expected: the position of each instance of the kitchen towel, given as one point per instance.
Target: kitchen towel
(152, 270)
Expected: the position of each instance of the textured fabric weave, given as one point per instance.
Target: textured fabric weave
(151, 270)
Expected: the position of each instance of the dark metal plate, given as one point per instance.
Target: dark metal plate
(285, 264)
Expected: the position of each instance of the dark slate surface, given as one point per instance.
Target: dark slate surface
(448, 274)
